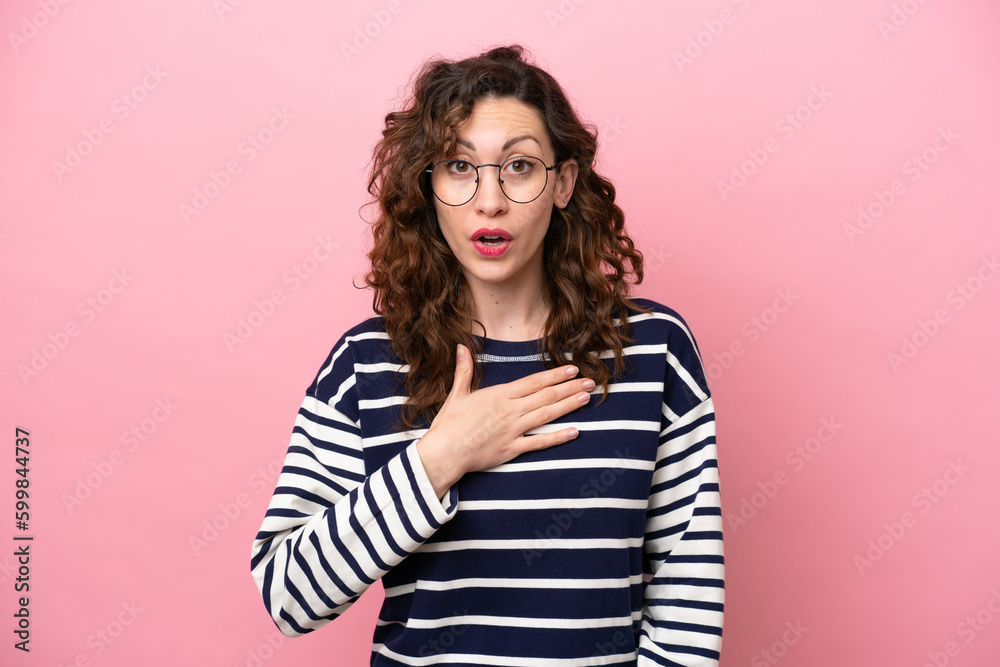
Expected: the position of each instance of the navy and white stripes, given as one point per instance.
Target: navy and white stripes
(605, 550)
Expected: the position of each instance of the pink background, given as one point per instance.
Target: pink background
(797, 308)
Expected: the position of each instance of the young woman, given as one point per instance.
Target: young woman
(524, 454)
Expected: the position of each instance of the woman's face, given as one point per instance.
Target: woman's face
(511, 256)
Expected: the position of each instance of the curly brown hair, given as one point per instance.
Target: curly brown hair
(419, 288)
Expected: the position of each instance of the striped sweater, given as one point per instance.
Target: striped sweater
(606, 550)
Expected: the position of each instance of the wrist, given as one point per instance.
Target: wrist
(442, 470)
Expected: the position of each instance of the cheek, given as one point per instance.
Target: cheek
(540, 218)
(444, 222)
(450, 229)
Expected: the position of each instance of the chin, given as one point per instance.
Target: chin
(495, 276)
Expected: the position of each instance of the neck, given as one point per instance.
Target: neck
(516, 312)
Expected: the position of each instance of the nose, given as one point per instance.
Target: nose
(490, 198)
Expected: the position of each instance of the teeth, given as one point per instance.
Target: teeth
(491, 240)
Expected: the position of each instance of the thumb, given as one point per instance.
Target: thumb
(463, 371)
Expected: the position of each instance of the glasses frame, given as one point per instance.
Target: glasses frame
(500, 180)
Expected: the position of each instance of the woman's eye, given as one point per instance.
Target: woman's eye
(459, 166)
(520, 165)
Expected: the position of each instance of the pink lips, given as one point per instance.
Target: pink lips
(491, 249)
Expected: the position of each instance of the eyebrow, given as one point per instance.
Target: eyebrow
(507, 144)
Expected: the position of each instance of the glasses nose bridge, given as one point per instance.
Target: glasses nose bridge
(499, 171)
(499, 180)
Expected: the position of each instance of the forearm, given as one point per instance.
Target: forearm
(685, 594)
(311, 571)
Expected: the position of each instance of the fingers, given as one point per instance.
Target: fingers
(527, 443)
(484, 431)
(556, 409)
(463, 371)
(553, 395)
(538, 381)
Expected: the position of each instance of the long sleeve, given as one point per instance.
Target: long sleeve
(331, 530)
(683, 555)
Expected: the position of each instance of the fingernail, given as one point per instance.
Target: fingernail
(583, 397)
(461, 351)
(573, 433)
(572, 371)
(588, 384)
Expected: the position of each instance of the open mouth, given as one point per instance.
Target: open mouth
(494, 236)
(491, 242)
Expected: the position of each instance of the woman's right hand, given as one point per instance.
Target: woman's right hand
(482, 429)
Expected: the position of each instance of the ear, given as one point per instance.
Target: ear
(566, 174)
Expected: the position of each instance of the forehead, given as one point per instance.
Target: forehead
(495, 121)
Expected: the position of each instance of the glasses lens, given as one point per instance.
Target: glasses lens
(454, 181)
(523, 178)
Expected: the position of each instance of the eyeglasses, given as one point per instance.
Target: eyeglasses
(522, 179)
